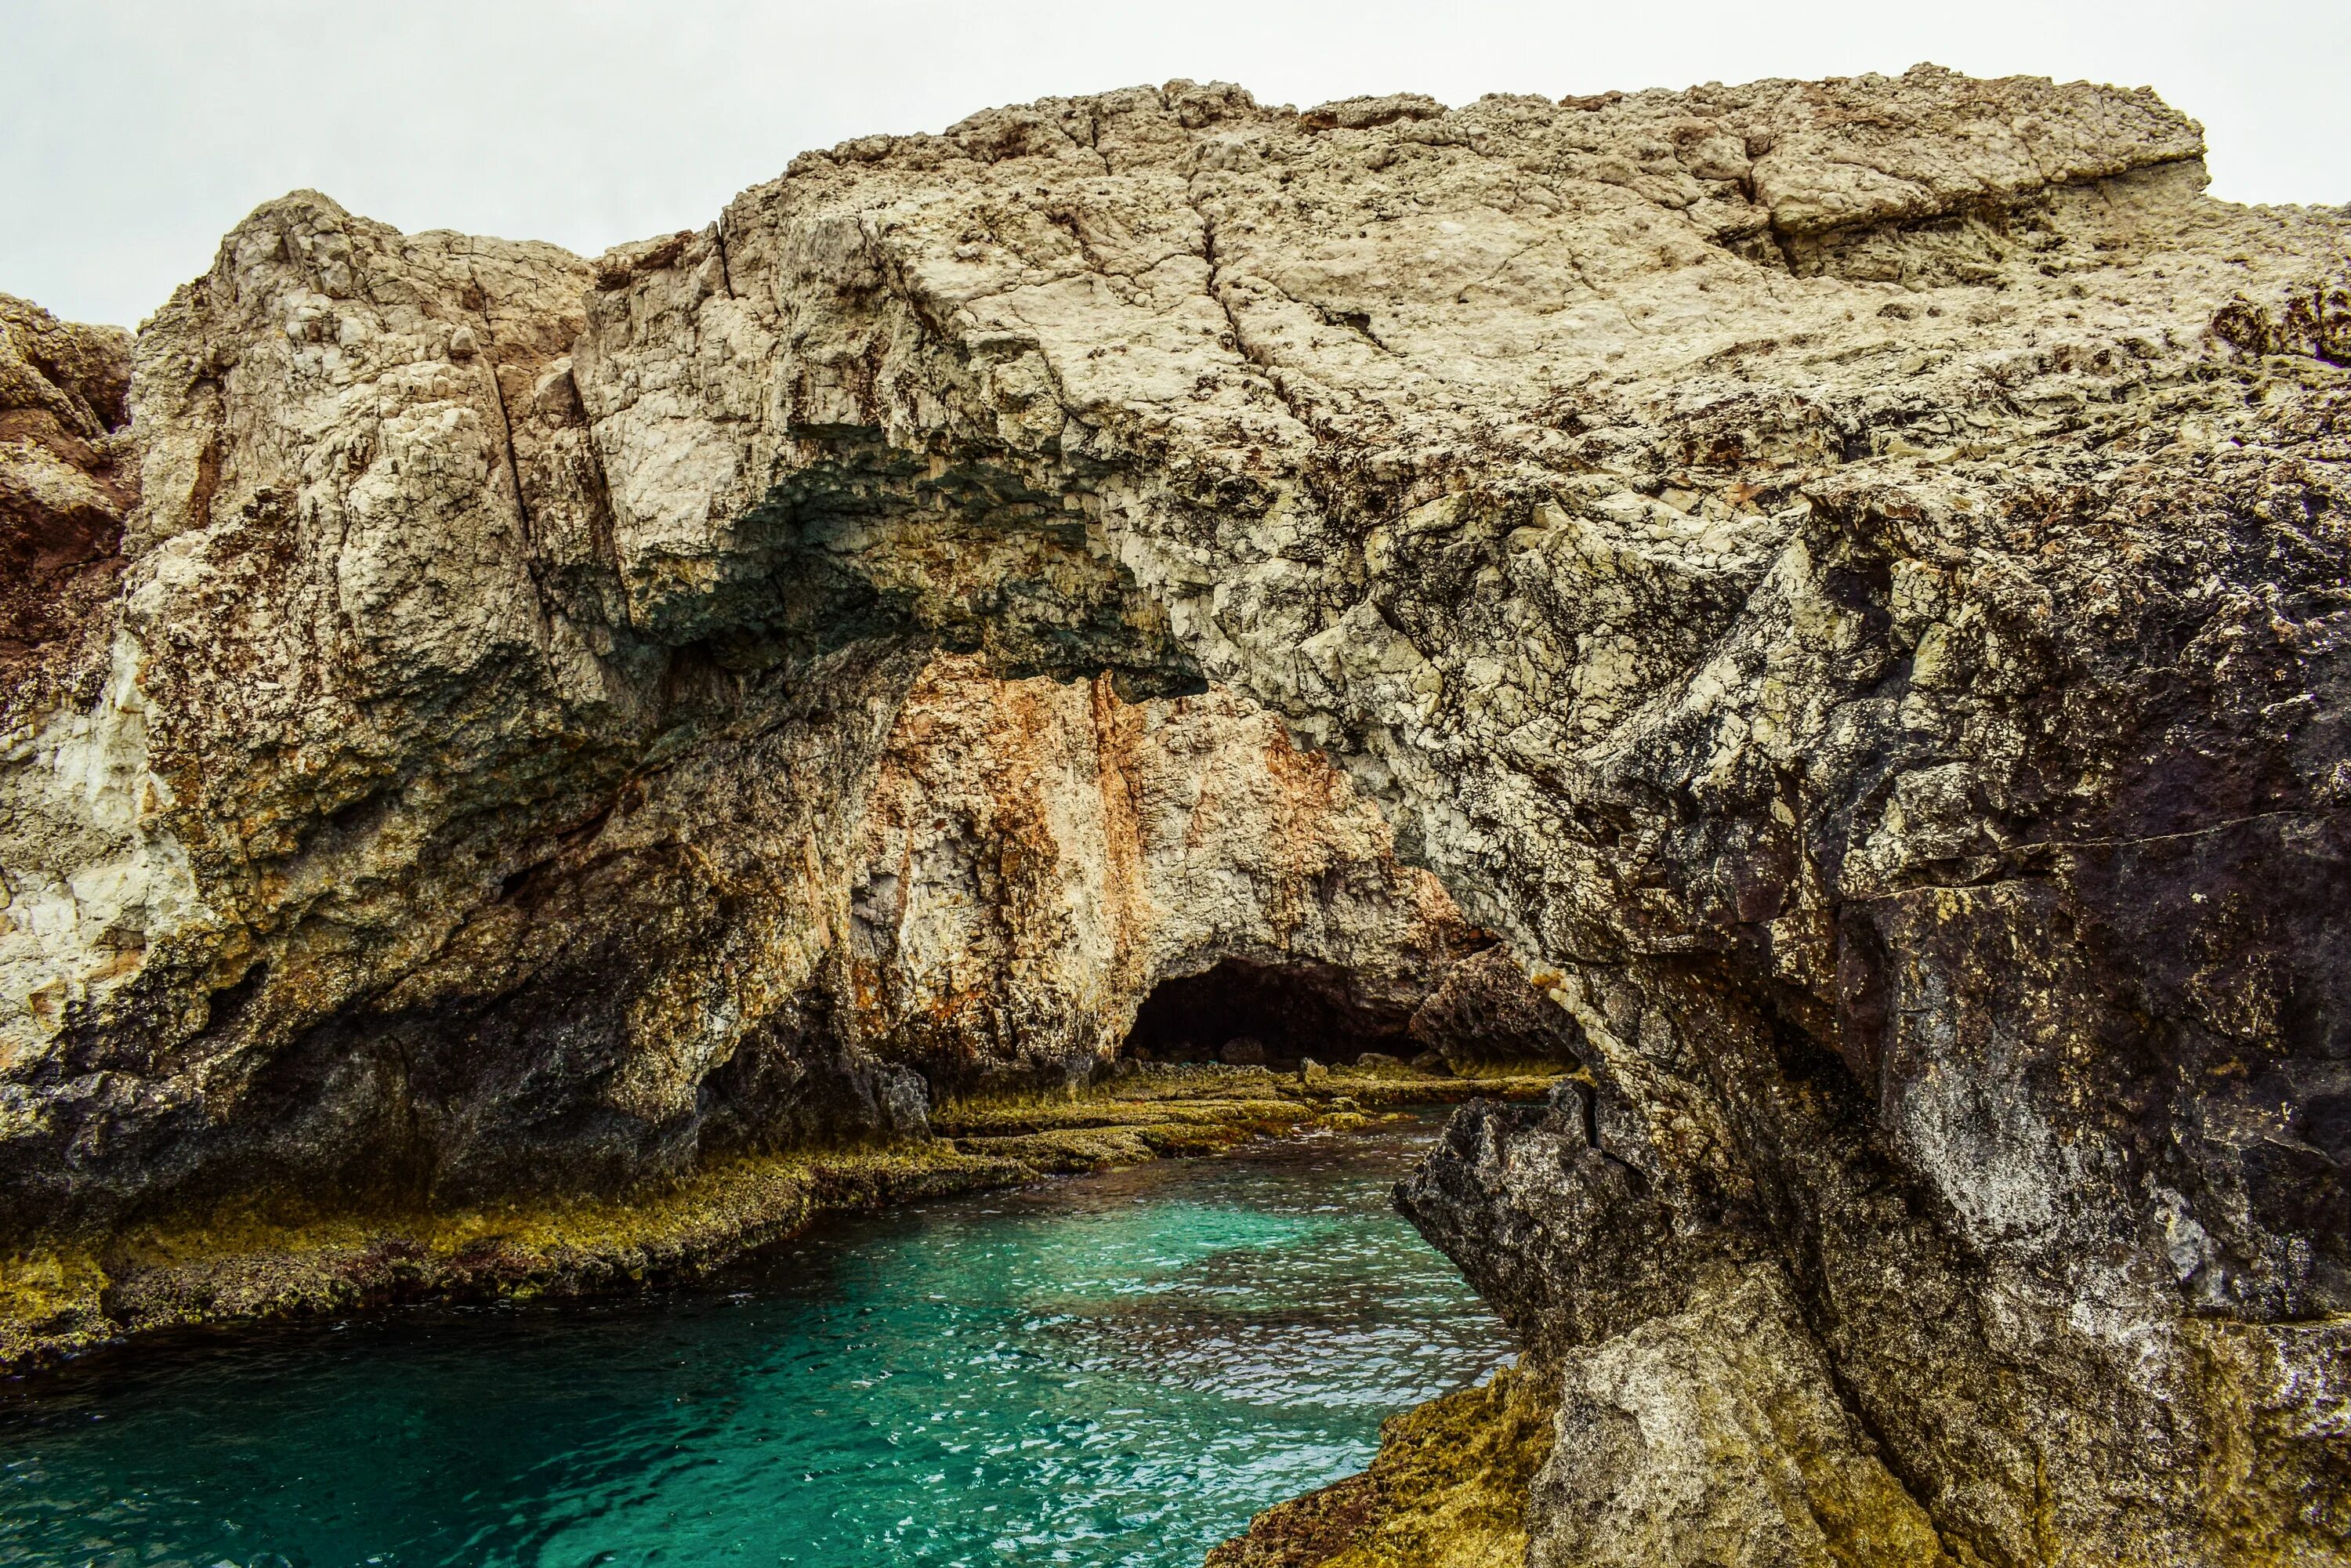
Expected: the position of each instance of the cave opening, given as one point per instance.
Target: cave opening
(1247, 1014)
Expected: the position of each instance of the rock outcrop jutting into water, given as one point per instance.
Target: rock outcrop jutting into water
(1846, 578)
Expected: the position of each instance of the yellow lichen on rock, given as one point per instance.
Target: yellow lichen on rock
(243, 1262)
(250, 1260)
(1449, 1489)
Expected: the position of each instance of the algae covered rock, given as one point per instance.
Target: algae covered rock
(1447, 1489)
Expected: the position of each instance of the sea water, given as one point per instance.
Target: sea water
(1115, 1369)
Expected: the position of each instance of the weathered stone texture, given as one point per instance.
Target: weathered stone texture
(415, 853)
(64, 488)
(1847, 577)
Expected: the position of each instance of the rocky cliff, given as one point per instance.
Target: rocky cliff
(1847, 577)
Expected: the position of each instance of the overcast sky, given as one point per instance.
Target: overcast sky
(132, 135)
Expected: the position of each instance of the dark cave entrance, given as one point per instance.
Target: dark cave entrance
(1291, 1011)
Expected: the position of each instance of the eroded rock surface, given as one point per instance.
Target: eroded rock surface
(1848, 578)
(66, 482)
(406, 857)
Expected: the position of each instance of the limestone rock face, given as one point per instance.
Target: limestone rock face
(1847, 577)
(1037, 857)
(65, 481)
(68, 476)
(405, 858)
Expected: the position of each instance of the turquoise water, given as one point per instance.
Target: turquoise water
(1111, 1369)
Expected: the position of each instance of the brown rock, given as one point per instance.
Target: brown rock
(65, 486)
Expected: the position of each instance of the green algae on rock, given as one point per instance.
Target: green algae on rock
(246, 1263)
(235, 1267)
(1448, 1488)
(1122, 1367)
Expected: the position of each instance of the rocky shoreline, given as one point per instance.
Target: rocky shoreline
(64, 1301)
(1447, 1489)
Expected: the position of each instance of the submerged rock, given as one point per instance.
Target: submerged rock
(1846, 578)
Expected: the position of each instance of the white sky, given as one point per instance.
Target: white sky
(133, 134)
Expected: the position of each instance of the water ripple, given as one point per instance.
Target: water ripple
(1115, 1370)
